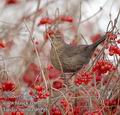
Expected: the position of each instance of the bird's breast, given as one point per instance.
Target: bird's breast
(56, 57)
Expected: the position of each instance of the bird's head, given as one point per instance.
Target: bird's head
(55, 37)
(54, 34)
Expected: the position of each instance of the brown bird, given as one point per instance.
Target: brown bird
(70, 58)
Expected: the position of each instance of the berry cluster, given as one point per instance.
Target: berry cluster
(97, 112)
(111, 36)
(14, 113)
(55, 111)
(17, 113)
(9, 99)
(111, 102)
(45, 20)
(58, 84)
(38, 93)
(64, 103)
(114, 50)
(66, 19)
(83, 78)
(111, 105)
(32, 74)
(8, 86)
(102, 67)
(77, 110)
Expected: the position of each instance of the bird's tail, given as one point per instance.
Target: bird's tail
(99, 41)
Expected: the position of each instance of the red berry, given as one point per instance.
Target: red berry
(31, 93)
(84, 77)
(38, 88)
(118, 41)
(12, 99)
(33, 67)
(49, 67)
(55, 111)
(48, 34)
(58, 84)
(2, 44)
(95, 37)
(45, 20)
(10, 2)
(114, 50)
(111, 102)
(77, 110)
(64, 103)
(66, 19)
(93, 113)
(47, 94)
(8, 86)
(102, 67)
(111, 36)
(17, 113)
(53, 73)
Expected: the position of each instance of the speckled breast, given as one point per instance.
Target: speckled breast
(56, 57)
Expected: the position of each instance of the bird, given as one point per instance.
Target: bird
(68, 58)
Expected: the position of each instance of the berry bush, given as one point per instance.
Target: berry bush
(31, 85)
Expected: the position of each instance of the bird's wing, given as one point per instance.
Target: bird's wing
(73, 58)
(74, 63)
(74, 51)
